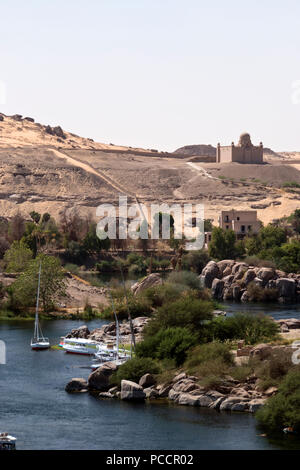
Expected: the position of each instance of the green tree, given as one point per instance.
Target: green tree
(17, 257)
(223, 244)
(195, 261)
(134, 369)
(24, 289)
(170, 343)
(35, 216)
(186, 312)
(92, 243)
(271, 236)
(283, 409)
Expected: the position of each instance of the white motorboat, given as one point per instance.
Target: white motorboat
(7, 442)
(79, 346)
(38, 342)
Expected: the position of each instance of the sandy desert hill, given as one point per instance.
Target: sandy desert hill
(46, 168)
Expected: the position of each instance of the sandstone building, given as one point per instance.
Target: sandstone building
(241, 222)
(244, 152)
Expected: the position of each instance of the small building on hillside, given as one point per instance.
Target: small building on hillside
(241, 222)
(244, 152)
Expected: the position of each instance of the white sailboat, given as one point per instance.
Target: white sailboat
(111, 353)
(38, 341)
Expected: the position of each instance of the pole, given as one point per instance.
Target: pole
(36, 328)
(117, 324)
(129, 314)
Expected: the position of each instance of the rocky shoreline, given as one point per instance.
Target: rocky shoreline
(231, 280)
(228, 395)
(107, 333)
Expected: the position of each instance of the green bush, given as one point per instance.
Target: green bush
(165, 293)
(105, 266)
(134, 369)
(260, 294)
(186, 312)
(17, 257)
(203, 353)
(136, 264)
(170, 343)
(195, 261)
(283, 409)
(72, 268)
(272, 371)
(291, 184)
(210, 362)
(184, 278)
(138, 307)
(251, 328)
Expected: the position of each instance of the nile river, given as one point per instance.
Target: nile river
(35, 408)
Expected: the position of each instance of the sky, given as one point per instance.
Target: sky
(155, 73)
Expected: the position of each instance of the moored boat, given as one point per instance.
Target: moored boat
(79, 346)
(38, 342)
(7, 442)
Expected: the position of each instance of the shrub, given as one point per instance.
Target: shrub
(104, 266)
(210, 362)
(283, 409)
(195, 261)
(186, 312)
(251, 328)
(17, 257)
(272, 371)
(291, 184)
(185, 278)
(136, 264)
(72, 268)
(164, 293)
(170, 343)
(203, 353)
(134, 369)
(260, 294)
(137, 307)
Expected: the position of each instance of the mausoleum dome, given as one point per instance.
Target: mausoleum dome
(245, 140)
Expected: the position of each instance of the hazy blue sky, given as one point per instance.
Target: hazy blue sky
(155, 73)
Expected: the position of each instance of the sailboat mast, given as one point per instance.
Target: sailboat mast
(117, 325)
(132, 343)
(36, 323)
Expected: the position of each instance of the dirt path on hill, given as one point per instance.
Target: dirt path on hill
(90, 169)
(100, 174)
(202, 171)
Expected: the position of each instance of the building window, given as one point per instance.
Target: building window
(249, 227)
(226, 218)
(227, 227)
(242, 228)
(237, 218)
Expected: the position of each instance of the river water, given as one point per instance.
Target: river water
(35, 408)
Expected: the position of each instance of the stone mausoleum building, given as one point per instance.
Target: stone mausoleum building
(244, 152)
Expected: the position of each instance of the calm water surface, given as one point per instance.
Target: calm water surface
(35, 408)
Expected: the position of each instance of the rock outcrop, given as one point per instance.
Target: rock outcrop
(81, 332)
(238, 281)
(76, 385)
(107, 333)
(99, 379)
(130, 391)
(147, 381)
(152, 280)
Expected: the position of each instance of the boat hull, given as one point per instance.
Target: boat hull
(82, 353)
(40, 346)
